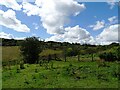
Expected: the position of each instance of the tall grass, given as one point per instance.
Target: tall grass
(10, 53)
(50, 52)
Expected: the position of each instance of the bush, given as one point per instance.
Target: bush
(71, 52)
(109, 56)
(30, 49)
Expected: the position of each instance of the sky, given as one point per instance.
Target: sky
(60, 20)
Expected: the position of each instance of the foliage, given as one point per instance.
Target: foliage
(118, 53)
(72, 51)
(30, 49)
(109, 56)
(11, 42)
(69, 52)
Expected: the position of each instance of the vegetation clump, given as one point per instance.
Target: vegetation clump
(108, 56)
(30, 49)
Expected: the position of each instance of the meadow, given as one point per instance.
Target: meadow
(58, 74)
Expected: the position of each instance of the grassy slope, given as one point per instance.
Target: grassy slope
(13, 53)
(50, 52)
(10, 53)
(86, 75)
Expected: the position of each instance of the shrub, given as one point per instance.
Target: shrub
(30, 49)
(71, 52)
(109, 56)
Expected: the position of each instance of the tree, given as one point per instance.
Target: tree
(69, 52)
(91, 51)
(108, 56)
(30, 49)
(81, 52)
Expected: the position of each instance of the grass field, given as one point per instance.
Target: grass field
(59, 74)
(10, 53)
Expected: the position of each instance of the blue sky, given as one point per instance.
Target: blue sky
(91, 14)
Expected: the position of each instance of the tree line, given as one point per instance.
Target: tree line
(32, 46)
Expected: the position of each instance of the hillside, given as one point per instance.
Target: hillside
(61, 65)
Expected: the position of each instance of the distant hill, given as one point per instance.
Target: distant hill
(56, 45)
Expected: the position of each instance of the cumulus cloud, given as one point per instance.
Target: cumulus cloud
(8, 19)
(30, 9)
(11, 4)
(76, 33)
(98, 25)
(109, 35)
(57, 38)
(6, 35)
(73, 35)
(54, 13)
(10, 36)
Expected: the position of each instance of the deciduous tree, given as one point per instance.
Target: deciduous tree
(30, 49)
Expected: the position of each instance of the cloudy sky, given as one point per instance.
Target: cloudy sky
(60, 20)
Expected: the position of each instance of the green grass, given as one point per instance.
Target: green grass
(62, 75)
(59, 74)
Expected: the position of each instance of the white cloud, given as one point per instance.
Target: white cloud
(54, 13)
(30, 9)
(57, 38)
(76, 32)
(111, 3)
(77, 35)
(113, 20)
(6, 35)
(109, 35)
(11, 4)
(8, 19)
(98, 25)
(10, 36)
(73, 35)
